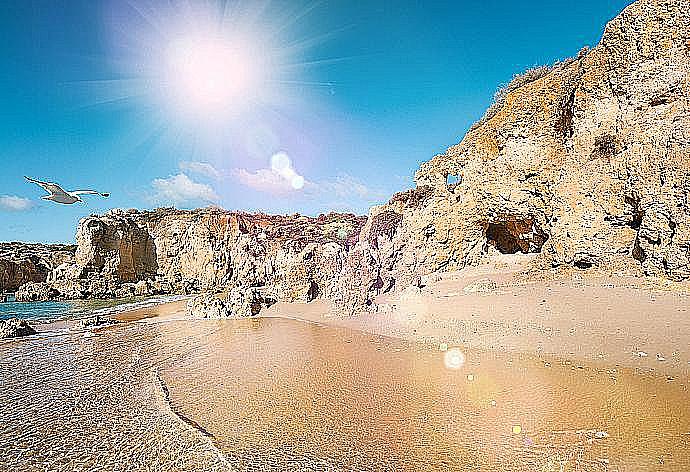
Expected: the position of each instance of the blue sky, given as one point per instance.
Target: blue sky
(323, 105)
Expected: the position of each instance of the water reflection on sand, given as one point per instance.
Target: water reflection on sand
(277, 394)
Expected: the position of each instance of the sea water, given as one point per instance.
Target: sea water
(43, 312)
(276, 394)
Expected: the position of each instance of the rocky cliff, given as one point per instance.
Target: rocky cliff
(24, 262)
(125, 253)
(585, 163)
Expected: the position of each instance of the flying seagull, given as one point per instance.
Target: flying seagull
(58, 195)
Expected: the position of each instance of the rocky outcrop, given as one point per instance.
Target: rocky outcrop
(15, 328)
(585, 163)
(234, 254)
(21, 263)
(237, 302)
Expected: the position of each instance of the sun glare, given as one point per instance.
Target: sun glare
(209, 64)
(211, 75)
(217, 79)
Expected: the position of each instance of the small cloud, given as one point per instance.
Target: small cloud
(344, 186)
(279, 179)
(180, 189)
(200, 168)
(262, 180)
(15, 203)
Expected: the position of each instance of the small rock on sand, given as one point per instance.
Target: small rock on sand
(14, 328)
(481, 286)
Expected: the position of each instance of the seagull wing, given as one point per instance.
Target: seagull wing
(50, 187)
(89, 192)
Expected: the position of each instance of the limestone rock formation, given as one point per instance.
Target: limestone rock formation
(15, 328)
(586, 163)
(237, 302)
(125, 253)
(25, 262)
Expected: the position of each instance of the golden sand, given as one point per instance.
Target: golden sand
(272, 391)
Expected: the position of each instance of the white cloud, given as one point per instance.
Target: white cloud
(14, 203)
(200, 168)
(343, 192)
(263, 180)
(280, 179)
(180, 189)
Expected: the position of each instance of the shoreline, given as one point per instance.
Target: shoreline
(585, 320)
(209, 375)
(162, 311)
(513, 316)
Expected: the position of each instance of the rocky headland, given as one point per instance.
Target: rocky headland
(21, 263)
(583, 163)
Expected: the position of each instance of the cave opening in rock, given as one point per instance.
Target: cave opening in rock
(512, 236)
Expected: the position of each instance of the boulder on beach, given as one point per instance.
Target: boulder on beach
(15, 328)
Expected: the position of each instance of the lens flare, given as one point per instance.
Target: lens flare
(454, 358)
(281, 165)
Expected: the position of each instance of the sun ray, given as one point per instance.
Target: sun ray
(306, 43)
(301, 13)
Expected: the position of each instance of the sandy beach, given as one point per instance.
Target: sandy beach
(439, 377)
(614, 321)
(163, 311)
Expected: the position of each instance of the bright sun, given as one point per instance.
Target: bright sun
(211, 74)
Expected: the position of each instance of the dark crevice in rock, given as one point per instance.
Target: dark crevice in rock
(564, 122)
(637, 213)
(672, 226)
(390, 286)
(605, 146)
(313, 292)
(659, 101)
(637, 251)
(583, 264)
(377, 285)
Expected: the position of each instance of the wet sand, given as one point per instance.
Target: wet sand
(163, 311)
(277, 394)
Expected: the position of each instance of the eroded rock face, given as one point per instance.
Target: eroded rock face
(587, 166)
(117, 246)
(15, 328)
(25, 262)
(237, 302)
(125, 253)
